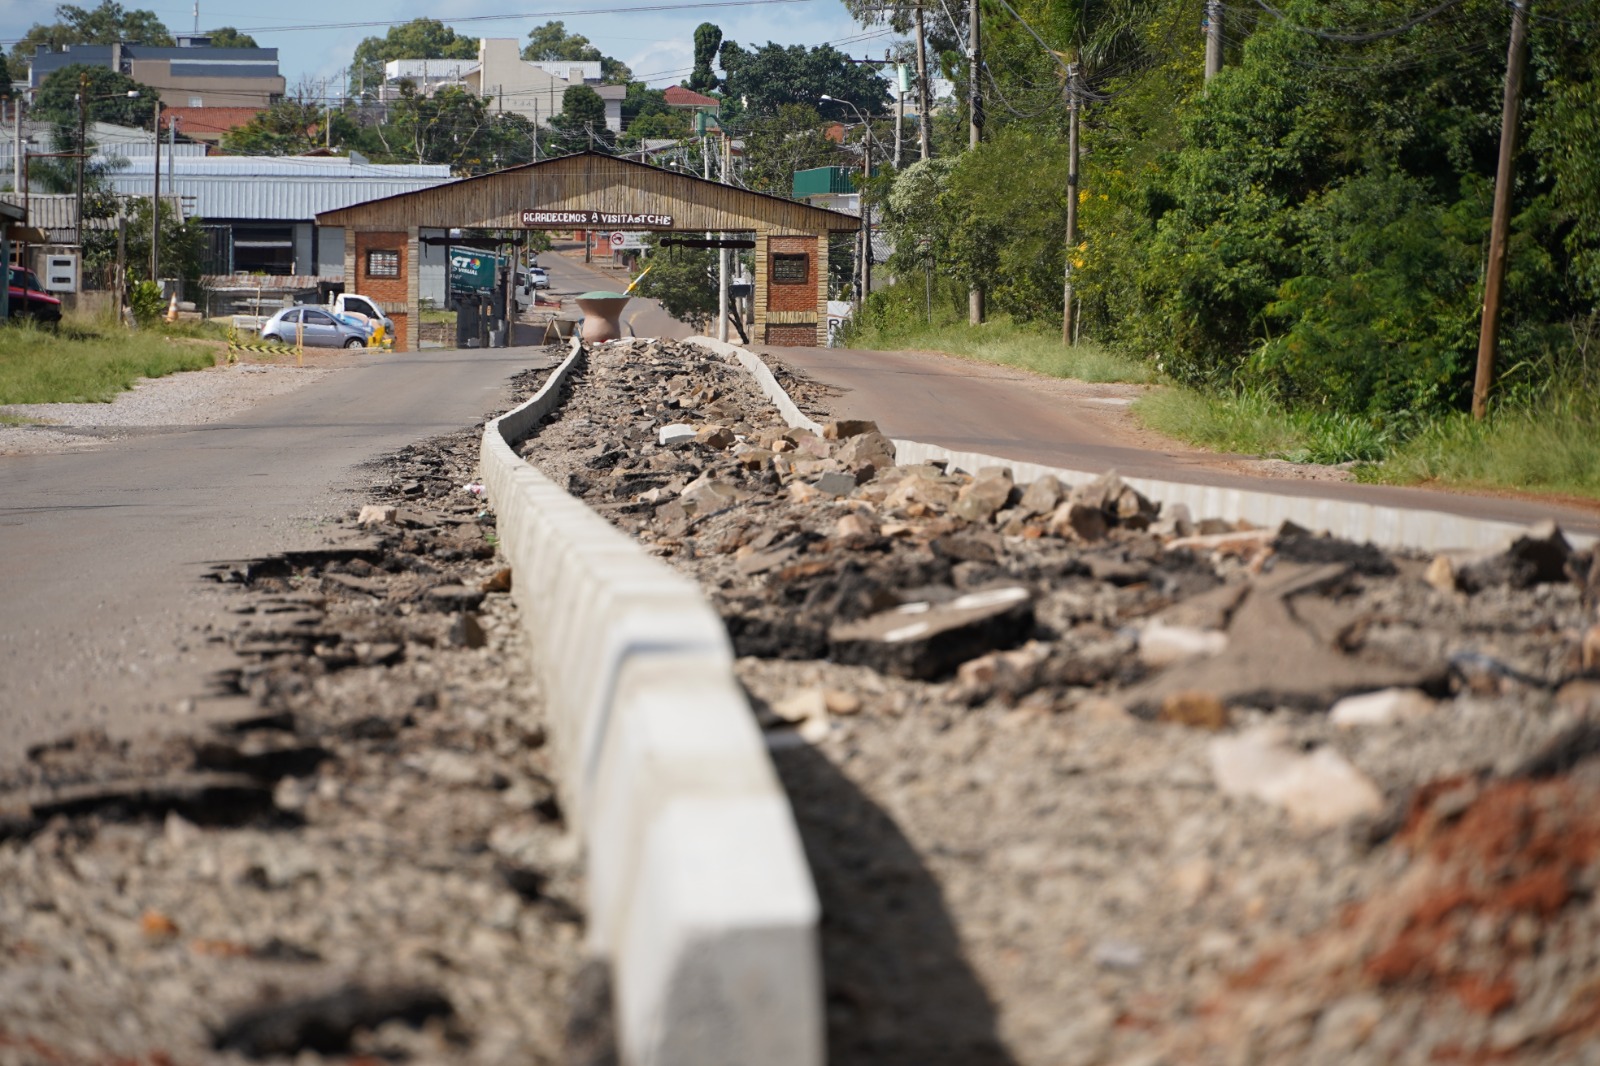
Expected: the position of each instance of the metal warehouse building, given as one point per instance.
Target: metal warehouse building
(260, 211)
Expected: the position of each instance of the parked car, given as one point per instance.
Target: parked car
(538, 278)
(28, 298)
(316, 328)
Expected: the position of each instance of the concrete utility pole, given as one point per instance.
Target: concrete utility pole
(16, 158)
(899, 110)
(1500, 225)
(83, 104)
(1067, 308)
(925, 135)
(155, 205)
(974, 134)
(1213, 38)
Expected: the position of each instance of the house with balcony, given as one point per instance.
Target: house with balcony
(192, 74)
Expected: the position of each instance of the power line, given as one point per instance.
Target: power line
(572, 12)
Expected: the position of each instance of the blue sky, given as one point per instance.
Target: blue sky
(657, 45)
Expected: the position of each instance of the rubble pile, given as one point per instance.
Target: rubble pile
(1069, 766)
(365, 856)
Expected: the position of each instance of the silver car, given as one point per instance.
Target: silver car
(316, 328)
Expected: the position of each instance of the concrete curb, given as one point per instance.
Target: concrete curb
(699, 895)
(1386, 527)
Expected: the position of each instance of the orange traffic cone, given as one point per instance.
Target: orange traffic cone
(172, 309)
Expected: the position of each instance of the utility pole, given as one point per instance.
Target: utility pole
(925, 135)
(1213, 38)
(1500, 225)
(83, 103)
(155, 205)
(122, 263)
(16, 158)
(1067, 308)
(974, 135)
(866, 211)
(899, 110)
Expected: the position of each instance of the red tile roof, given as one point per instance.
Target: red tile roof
(208, 122)
(678, 96)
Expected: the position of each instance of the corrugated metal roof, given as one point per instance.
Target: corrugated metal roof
(298, 188)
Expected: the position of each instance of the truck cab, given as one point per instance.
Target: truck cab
(349, 303)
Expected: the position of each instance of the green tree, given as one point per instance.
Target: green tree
(106, 24)
(108, 101)
(683, 279)
(228, 37)
(455, 127)
(5, 79)
(552, 42)
(766, 78)
(289, 127)
(707, 39)
(791, 139)
(421, 38)
(581, 123)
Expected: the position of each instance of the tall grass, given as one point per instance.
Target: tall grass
(78, 363)
(1253, 423)
(1003, 341)
(1551, 444)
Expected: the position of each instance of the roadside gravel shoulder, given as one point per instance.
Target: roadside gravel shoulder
(187, 399)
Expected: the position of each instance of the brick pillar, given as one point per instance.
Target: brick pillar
(758, 298)
(394, 256)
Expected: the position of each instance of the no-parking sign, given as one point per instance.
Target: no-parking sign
(623, 242)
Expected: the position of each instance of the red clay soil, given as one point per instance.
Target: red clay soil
(1494, 886)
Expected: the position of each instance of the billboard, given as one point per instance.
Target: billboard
(472, 271)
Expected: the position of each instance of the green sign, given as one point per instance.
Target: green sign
(472, 271)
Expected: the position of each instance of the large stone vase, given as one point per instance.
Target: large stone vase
(602, 312)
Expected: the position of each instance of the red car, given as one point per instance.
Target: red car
(28, 298)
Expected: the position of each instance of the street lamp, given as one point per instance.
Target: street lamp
(865, 276)
(83, 100)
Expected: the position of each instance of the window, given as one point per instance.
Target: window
(381, 264)
(195, 101)
(318, 318)
(791, 269)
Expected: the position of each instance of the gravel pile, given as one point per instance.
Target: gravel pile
(369, 859)
(1082, 780)
(187, 399)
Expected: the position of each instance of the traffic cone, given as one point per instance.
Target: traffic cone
(172, 308)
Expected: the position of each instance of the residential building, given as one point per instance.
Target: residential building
(513, 84)
(207, 125)
(428, 75)
(193, 74)
(679, 97)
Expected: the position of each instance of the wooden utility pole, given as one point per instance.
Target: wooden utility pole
(925, 133)
(974, 134)
(1067, 308)
(1213, 38)
(1500, 225)
(155, 205)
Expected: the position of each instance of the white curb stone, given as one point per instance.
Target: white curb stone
(698, 891)
(1386, 527)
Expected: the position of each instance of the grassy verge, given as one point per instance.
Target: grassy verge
(77, 364)
(1253, 424)
(1549, 446)
(1003, 341)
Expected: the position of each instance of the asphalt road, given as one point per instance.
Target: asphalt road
(972, 407)
(102, 552)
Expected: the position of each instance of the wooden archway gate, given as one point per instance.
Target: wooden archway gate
(594, 191)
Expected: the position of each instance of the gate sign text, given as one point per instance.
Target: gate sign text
(593, 220)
